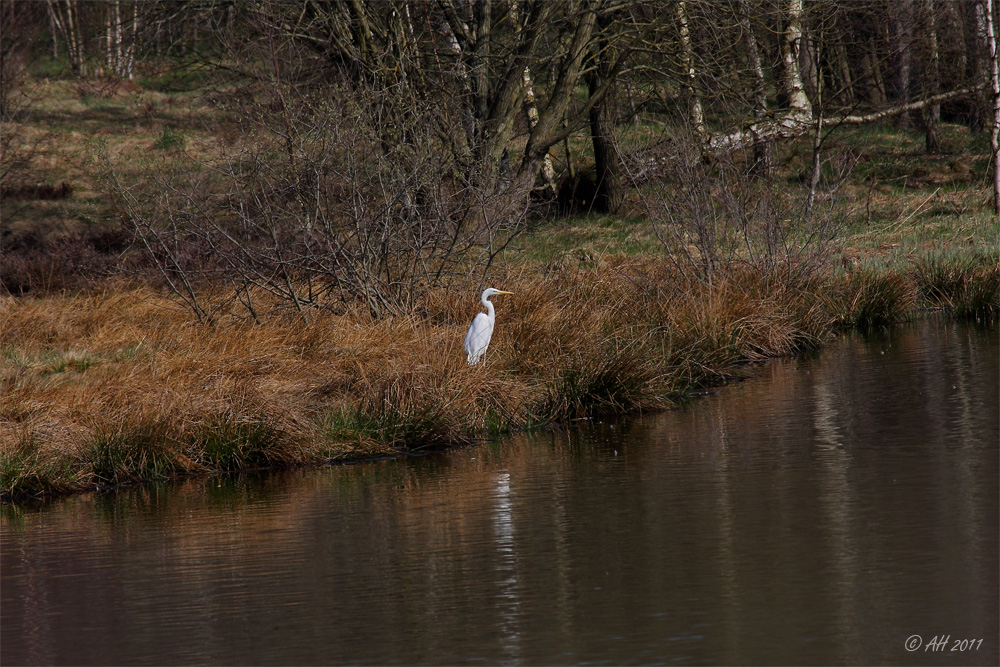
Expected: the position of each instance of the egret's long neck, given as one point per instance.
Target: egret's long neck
(489, 308)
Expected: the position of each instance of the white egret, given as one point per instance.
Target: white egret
(478, 338)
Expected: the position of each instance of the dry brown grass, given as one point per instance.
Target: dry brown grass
(121, 385)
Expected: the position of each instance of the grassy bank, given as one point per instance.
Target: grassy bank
(120, 386)
(105, 380)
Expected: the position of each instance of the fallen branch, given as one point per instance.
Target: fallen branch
(796, 122)
(906, 108)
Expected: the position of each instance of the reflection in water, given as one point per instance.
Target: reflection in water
(822, 512)
(506, 575)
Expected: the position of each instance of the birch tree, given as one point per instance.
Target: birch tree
(932, 113)
(901, 30)
(65, 17)
(994, 60)
(696, 114)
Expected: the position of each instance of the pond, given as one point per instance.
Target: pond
(836, 509)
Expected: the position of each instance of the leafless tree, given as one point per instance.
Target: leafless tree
(66, 22)
(337, 193)
(386, 140)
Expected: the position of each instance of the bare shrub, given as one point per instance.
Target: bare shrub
(339, 193)
(714, 215)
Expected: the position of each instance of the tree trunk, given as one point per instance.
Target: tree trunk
(932, 112)
(546, 132)
(902, 50)
(54, 32)
(874, 87)
(791, 80)
(64, 17)
(73, 37)
(610, 193)
(119, 61)
(798, 118)
(531, 111)
(133, 43)
(844, 70)
(991, 40)
(696, 115)
(479, 57)
(978, 49)
(817, 136)
(761, 149)
(787, 126)
(607, 160)
(109, 39)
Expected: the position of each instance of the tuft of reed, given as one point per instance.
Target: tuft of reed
(870, 298)
(619, 379)
(27, 468)
(129, 452)
(967, 286)
(234, 442)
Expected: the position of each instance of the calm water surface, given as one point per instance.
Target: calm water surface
(824, 511)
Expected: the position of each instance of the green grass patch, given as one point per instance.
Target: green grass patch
(169, 139)
(232, 443)
(585, 238)
(26, 470)
(177, 79)
(388, 424)
(67, 362)
(496, 424)
(47, 67)
(47, 363)
(130, 453)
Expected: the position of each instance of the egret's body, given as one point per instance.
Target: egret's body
(481, 331)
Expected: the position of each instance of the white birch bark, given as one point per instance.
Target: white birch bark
(799, 107)
(799, 118)
(531, 110)
(696, 114)
(109, 40)
(54, 31)
(119, 70)
(133, 42)
(787, 127)
(73, 28)
(817, 135)
(991, 39)
(63, 16)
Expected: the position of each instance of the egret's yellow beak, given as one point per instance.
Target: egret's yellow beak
(500, 291)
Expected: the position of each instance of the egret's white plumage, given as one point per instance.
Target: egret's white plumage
(481, 331)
